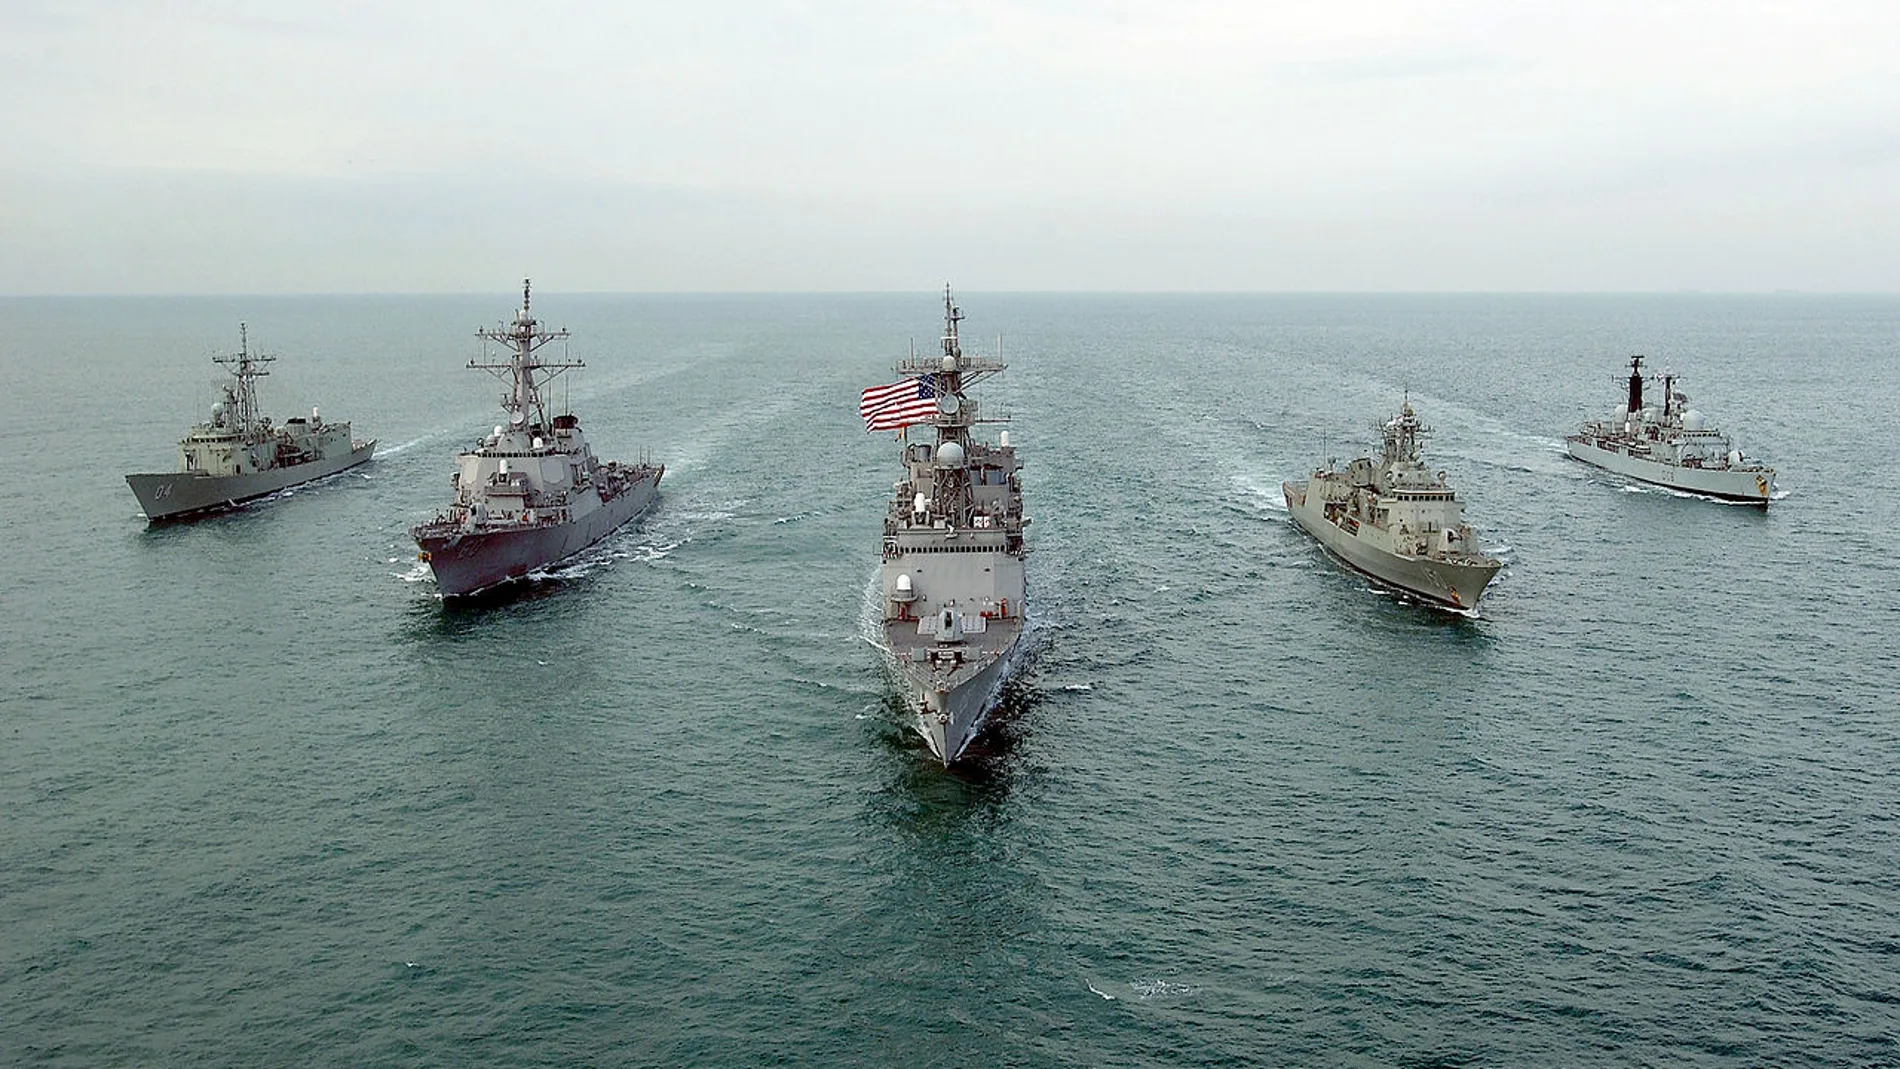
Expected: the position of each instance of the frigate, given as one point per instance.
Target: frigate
(237, 454)
(1395, 520)
(531, 493)
(951, 581)
(1672, 445)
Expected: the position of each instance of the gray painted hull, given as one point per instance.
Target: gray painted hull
(466, 563)
(1447, 583)
(1752, 485)
(178, 494)
(950, 720)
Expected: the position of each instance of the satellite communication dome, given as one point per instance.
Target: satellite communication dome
(950, 455)
(949, 362)
(1693, 421)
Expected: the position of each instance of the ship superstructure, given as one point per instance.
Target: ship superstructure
(237, 454)
(530, 493)
(1394, 519)
(952, 577)
(1670, 445)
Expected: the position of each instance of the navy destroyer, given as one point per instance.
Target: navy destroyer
(237, 455)
(1395, 520)
(1671, 445)
(951, 582)
(531, 493)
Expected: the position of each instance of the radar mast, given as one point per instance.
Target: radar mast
(525, 372)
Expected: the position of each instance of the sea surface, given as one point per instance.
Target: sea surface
(265, 800)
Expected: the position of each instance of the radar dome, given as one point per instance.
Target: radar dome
(950, 455)
(217, 412)
(1693, 421)
(949, 363)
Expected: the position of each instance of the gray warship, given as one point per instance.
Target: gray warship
(951, 581)
(1672, 446)
(531, 493)
(237, 455)
(1395, 520)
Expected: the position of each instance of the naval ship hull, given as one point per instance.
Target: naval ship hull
(1750, 485)
(176, 495)
(1446, 583)
(467, 563)
(950, 719)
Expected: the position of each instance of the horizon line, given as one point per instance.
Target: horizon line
(306, 294)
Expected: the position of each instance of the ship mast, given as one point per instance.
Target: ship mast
(524, 372)
(954, 415)
(1402, 433)
(949, 375)
(245, 371)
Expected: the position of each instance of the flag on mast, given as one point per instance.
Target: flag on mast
(902, 403)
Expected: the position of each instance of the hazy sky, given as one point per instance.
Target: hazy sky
(231, 147)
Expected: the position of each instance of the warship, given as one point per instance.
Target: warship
(531, 493)
(1395, 520)
(951, 580)
(237, 455)
(1671, 446)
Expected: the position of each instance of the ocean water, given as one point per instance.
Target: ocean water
(264, 800)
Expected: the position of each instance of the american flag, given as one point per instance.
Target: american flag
(902, 403)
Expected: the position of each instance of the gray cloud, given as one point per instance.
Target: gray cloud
(223, 147)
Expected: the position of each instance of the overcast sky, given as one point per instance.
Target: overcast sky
(698, 145)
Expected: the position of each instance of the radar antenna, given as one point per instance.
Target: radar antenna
(246, 369)
(524, 372)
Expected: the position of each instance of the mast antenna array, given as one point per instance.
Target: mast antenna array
(524, 371)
